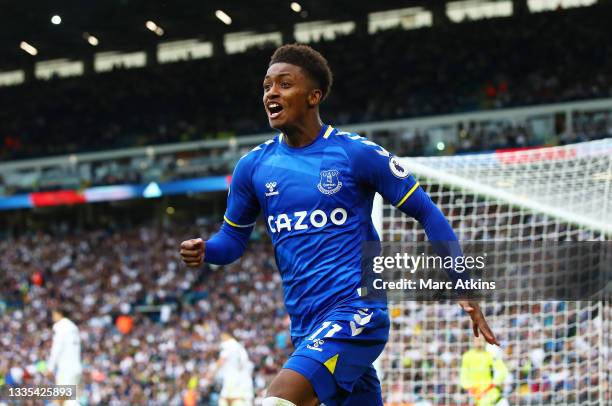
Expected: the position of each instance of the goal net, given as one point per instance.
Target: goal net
(557, 352)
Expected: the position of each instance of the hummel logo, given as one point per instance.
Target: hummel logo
(316, 344)
(270, 186)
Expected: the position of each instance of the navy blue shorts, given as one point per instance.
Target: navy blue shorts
(337, 357)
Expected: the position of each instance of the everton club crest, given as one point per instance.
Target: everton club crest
(330, 182)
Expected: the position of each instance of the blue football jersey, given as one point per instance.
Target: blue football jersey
(317, 202)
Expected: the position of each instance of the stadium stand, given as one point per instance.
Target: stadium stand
(469, 137)
(522, 60)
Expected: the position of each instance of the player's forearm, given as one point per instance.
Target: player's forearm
(421, 207)
(227, 245)
(52, 361)
(500, 372)
(438, 230)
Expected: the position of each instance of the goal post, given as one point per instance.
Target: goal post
(557, 351)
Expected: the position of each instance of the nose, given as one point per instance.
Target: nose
(272, 92)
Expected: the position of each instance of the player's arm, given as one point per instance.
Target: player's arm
(384, 173)
(56, 349)
(418, 204)
(376, 167)
(500, 372)
(229, 243)
(215, 368)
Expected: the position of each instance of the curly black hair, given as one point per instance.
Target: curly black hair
(308, 59)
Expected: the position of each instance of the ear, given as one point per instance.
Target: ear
(314, 97)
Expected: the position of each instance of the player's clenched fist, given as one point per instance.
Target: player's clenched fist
(192, 252)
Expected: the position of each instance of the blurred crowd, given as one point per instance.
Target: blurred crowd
(488, 136)
(522, 60)
(149, 326)
(551, 350)
(471, 137)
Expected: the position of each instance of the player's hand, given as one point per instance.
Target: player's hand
(479, 324)
(192, 252)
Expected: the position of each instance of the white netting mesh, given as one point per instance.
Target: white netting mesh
(556, 352)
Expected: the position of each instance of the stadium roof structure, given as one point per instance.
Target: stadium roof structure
(120, 24)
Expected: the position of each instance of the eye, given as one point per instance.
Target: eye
(285, 85)
(266, 87)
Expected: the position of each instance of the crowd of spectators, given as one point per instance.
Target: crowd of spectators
(489, 136)
(176, 314)
(521, 60)
(550, 349)
(472, 137)
(150, 327)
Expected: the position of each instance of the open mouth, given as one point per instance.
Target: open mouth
(274, 110)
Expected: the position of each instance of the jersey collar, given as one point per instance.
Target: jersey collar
(324, 133)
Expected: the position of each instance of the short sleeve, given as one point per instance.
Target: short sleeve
(242, 204)
(383, 172)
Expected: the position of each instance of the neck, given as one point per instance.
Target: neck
(304, 133)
